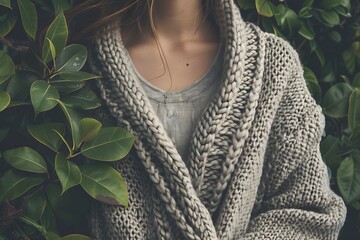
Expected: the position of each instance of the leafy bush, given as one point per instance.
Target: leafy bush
(53, 153)
(326, 33)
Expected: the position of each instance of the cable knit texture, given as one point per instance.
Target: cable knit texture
(254, 169)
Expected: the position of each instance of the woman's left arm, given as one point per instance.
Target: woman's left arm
(297, 202)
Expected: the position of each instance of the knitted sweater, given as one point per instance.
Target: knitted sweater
(254, 169)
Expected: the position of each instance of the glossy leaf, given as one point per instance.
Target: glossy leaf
(354, 109)
(356, 80)
(331, 151)
(42, 96)
(77, 76)
(28, 15)
(7, 24)
(35, 205)
(67, 86)
(14, 184)
(336, 100)
(5, 3)
(75, 237)
(52, 49)
(83, 99)
(348, 179)
(104, 183)
(58, 34)
(32, 223)
(263, 8)
(246, 4)
(48, 219)
(7, 67)
(349, 58)
(306, 32)
(73, 120)
(19, 85)
(72, 58)
(329, 3)
(89, 129)
(330, 16)
(51, 236)
(111, 144)
(26, 159)
(4, 100)
(45, 134)
(68, 172)
(61, 5)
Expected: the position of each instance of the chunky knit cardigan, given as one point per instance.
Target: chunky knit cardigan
(254, 171)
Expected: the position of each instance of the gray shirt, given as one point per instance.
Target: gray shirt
(179, 111)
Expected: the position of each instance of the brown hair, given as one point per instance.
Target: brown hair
(90, 15)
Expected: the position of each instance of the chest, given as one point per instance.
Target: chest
(172, 67)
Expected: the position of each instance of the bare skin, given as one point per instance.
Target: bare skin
(188, 41)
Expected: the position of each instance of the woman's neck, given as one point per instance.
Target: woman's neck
(178, 20)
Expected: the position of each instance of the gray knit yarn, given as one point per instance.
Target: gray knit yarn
(255, 171)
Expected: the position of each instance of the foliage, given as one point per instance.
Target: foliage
(326, 33)
(53, 155)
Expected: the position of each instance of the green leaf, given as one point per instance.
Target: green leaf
(62, 5)
(307, 3)
(26, 159)
(246, 4)
(349, 58)
(52, 49)
(5, 3)
(7, 24)
(312, 82)
(336, 100)
(348, 179)
(72, 58)
(34, 206)
(354, 109)
(329, 3)
(42, 96)
(263, 8)
(77, 76)
(7, 67)
(74, 121)
(28, 15)
(67, 86)
(306, 32)
(14, 184)
(32, 223)
(305, 12)
(335, 35)
(320, 55)
(68, 172)
(57, 33)
(51, 236)
(356, 80)
(330, 16)
(104, 183)
(111, 144)
(75, 237)
(290, 21)
(45, 134)
(48, 219)
(84, 99)
(19, 84)
(331, 151)
(89, 129)
(4, 100)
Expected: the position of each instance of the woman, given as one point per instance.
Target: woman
(228, 134)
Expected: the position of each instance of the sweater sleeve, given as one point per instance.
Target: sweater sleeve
(296, 202)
